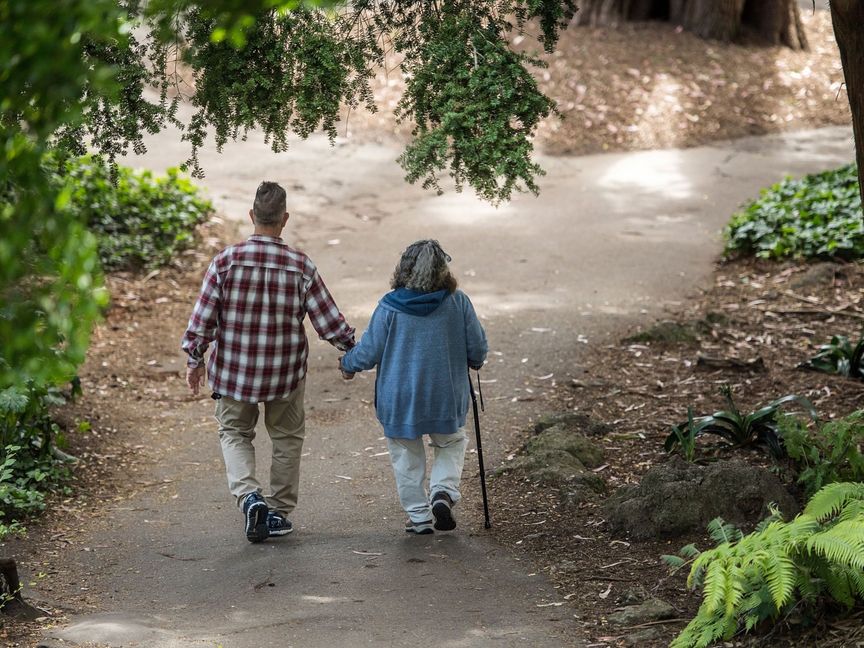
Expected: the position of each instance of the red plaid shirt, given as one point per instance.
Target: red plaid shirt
(252, 305)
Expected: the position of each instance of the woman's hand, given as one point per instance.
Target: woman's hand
(347, 375)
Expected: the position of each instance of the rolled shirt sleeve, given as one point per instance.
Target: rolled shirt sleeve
(325, 316)
(201, 330)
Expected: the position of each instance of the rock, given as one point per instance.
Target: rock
(819, 274)
(573, 421)
(677, 497)
(558, 439)
(561, 458)
(651, 610)
(669, 332)
(641, 637)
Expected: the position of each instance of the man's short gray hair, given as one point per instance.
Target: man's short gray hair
(423, 267)
(270, 205)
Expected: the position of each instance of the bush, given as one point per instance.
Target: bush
(831, 454)
(745, 580)
(140, 220)
(817, 216)
(28, 465)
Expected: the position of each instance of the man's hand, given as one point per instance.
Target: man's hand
(195, 378)
(347, 375)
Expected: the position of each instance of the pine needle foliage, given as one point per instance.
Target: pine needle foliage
(747, 579)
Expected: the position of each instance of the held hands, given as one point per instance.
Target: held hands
(195, 378)
(347, 375)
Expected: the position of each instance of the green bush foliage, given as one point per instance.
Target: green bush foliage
(759, 428)
(140, 220)
(839, 356)
(747, 579)
(827, 455)
(816, 216)
(29, 467)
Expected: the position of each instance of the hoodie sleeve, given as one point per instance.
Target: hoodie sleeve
(475, 336)
(368, 352)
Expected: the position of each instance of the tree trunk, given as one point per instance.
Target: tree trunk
(11, 601)
(778, 22)
(594, 13)
(775, 22)
(848, 19)
(715, 19)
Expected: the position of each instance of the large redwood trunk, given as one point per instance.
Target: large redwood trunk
(774, 22)
(718, 19)
(848, 19)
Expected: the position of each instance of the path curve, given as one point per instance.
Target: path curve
(612, 240)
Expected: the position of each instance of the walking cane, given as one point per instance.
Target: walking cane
(486, 523)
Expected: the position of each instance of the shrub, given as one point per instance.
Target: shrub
(748, 579)
(140, 220)
(28, 463)
(839, 357)
(737, 429)
(817, 216)
(831, 454)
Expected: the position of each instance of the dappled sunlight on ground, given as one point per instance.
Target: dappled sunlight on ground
(657, 172)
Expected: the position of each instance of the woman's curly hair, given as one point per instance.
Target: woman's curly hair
(423, 267)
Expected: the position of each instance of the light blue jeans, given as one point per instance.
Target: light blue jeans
(408, 457)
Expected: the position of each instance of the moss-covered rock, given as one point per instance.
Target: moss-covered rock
(573, 421)
(677, 497)
(559, 457)
(669, 332)
(558, 440)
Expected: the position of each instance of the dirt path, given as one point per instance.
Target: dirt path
(611, 241)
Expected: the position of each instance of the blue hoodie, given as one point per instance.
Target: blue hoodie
(422, 344)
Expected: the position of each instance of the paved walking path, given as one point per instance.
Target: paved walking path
(612, 240)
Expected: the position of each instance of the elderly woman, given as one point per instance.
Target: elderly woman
(422, 337)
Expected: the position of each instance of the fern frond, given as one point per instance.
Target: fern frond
(839, 586)
(721, 531)
(733, 592)
(856, 579)
(828, 502)
(780, 578)
(843, 544)
(774, 515)
(716, 584)
(675, 562)
(689, 551)
(854, 509)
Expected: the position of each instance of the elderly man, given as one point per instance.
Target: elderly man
(254, 299)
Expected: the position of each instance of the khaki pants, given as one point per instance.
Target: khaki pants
(285, 422)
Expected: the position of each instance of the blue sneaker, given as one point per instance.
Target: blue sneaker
(278, 524)
(255, 510)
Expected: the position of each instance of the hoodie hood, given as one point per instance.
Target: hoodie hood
(413, 302)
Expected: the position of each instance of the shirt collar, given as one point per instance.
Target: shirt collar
(262, 237)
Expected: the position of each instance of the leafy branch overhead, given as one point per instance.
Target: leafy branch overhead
(291, 68)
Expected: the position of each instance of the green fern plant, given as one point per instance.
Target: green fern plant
(829, 454)
(747, 579)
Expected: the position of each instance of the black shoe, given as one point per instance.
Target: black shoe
(278, 524)
(442, 509)
(255, 510)
(419, 528)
